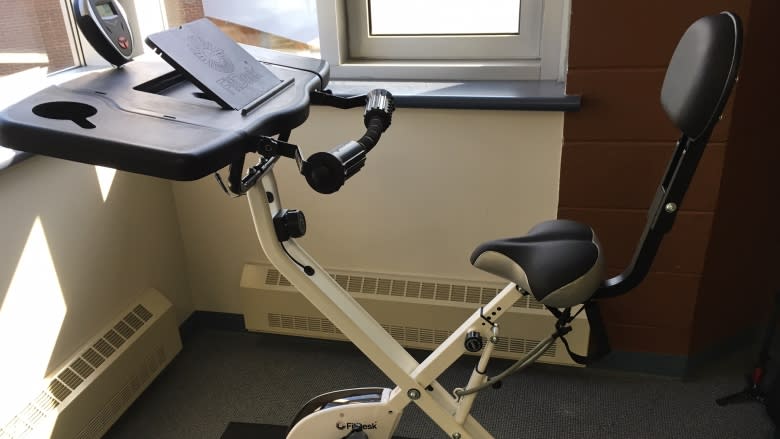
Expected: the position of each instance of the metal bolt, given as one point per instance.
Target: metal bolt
(494, 339)
(413, 394)
(456, 435)
(670, 207)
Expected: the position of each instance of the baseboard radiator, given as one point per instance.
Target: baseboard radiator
(419, 312)
(84, 397)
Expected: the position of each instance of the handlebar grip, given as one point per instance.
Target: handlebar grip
(327, 171)
(379, 105)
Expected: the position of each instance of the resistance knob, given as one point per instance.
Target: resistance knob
(289, 224)
(473, 341)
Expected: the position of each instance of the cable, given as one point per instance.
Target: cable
(306, 268)
(521, 364)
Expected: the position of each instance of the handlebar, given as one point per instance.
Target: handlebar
(327, 171)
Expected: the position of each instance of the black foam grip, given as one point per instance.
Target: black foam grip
(327, 171)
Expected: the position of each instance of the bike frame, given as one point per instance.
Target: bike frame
(415, 382)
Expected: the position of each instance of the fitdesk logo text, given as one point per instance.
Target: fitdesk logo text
(350, 425)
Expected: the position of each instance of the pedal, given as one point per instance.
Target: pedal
(356, 433)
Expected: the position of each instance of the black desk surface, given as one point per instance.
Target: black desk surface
(147, 119)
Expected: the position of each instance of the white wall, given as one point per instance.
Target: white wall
(70, 262)
(439, 183)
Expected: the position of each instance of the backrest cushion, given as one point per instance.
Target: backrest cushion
(701, 73)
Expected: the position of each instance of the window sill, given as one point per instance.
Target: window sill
(483, 95)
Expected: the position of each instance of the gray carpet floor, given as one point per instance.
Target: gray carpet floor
(221, 377)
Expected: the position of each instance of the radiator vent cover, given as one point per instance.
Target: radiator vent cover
(403, 334)
(419, 312)
(449, 292)
(105, 362)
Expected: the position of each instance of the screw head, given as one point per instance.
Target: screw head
(456, 435)
(670, 207)
(413, 394)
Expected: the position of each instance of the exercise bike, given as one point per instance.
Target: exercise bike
(558, 262)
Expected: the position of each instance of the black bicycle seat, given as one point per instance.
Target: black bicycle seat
(558, 262)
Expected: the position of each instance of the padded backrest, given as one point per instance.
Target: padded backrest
(701, 73)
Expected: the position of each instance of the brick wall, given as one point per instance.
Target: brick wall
(738, 281)
(183, 11)
(34, 27)
(53, 33)
(37, 26)
(614, 154)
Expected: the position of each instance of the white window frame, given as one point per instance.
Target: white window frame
(545, 60)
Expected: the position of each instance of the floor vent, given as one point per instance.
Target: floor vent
(419, 312)
(70, 396)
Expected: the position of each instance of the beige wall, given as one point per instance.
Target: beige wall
(65, 248)
(439, 183)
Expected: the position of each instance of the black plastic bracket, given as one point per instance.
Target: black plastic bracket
(270, 147)
(326, 97)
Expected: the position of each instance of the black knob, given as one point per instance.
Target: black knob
(379, 104)
(473, 341)
(289, 224)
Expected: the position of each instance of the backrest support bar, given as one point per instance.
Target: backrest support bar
(697, 85)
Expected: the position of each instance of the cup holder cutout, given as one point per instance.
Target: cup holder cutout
(66, 110)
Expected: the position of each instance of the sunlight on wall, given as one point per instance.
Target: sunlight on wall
(30, 320)
(105, 178)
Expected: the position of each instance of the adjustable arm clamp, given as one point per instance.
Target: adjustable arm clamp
(327, 171)
(270, 149)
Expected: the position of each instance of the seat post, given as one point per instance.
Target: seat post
(661, 215)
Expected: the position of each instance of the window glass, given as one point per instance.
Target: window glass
(444, 17)
(285, 25)
(34, 35)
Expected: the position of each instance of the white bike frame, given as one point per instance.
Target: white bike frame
(415, 382)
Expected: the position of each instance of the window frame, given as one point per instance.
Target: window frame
(549, 64)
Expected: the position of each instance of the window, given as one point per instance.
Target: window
(41, 44)
(444, 29)
(444, 39)
(36, 35)
(40, 40)
(284, 25)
